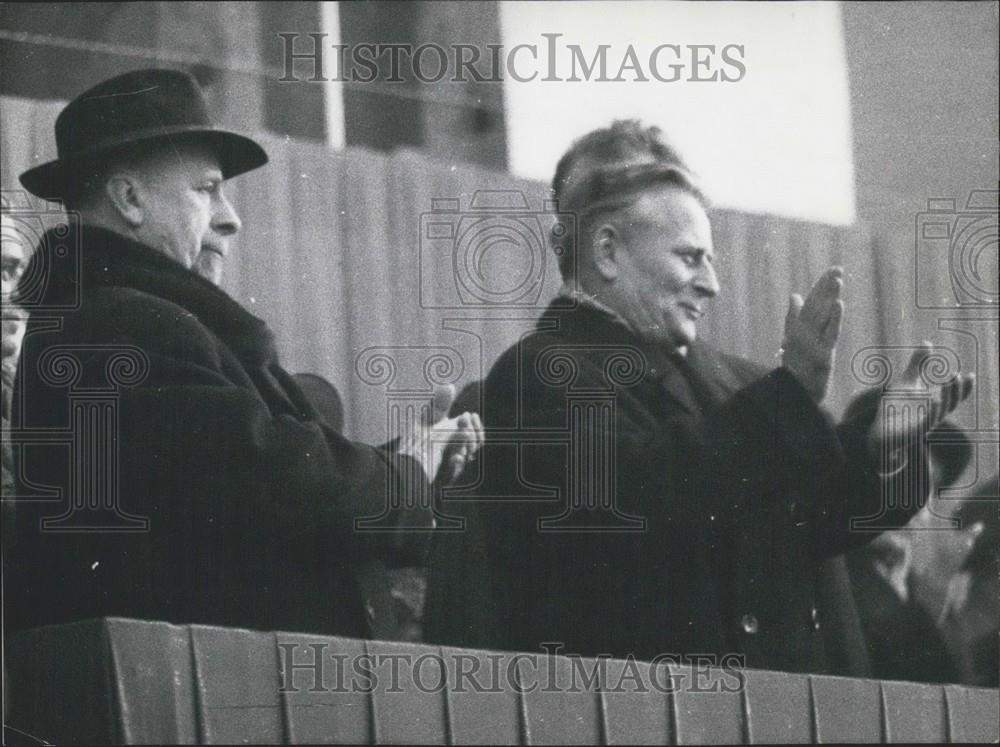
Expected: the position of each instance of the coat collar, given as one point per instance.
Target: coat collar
(693, 382)
(106, 259)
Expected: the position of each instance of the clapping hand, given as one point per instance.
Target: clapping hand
(939, 402)
(444, 445)
(812, 328)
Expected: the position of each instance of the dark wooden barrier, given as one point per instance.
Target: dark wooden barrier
(126, 681)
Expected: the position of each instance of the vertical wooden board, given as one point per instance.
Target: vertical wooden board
(973, 714)
(708, 705)
(371, 298)
(913, 712)
(265, 281)
(321, 336)
(59, 684)
(729, 326)
(560, 706)
(483, 706)
(152, 678)
(236, 677)
(778, 708)
(408, 695)
(846, 710)
(26, 136)
(637, 703)
(326, 700)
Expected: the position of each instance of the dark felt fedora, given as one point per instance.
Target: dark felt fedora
(143, 106)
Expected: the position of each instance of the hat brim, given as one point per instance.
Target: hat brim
(237, 154)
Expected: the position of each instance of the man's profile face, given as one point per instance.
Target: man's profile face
(186, 215)
(665, 272)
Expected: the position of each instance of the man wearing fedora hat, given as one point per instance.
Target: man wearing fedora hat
(217, 494)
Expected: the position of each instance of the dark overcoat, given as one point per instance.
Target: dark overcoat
(714, 487)
(209, 488)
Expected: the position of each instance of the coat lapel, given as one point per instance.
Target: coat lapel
(108, 259)
(676, 387)
(716, 379)
(699, 382)
(111, 260)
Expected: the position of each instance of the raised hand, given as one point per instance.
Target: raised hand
(940, 400)
(812, 328)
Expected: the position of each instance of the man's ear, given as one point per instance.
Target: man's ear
(124, 191)
(606, 244)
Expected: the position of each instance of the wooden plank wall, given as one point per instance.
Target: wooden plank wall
(127, 681)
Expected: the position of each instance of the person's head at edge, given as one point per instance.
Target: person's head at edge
(15, 259)
(156, 180)
(643, 239)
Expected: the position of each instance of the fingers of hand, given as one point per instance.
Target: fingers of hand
(480, 432)
(474, 424)
(467, 434)
(826, 303)
(834, 323)
(948, 397)
(466, 428)
(956, 391)
(968, 382)
(816, 323)
(951, 396)
(444, 396)
(824, 294)
(942, 402)
(455, 465)
(813, 294)
(810, 348)
(935, 414)
(794, 309)
(912, 372)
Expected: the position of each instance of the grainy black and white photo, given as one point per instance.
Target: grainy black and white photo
(502, 372)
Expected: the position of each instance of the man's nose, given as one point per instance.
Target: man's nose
(706, 281)
(225, 221)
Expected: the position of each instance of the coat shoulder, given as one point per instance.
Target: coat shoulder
(135, 313)
(128, 308)
(741, 370)
(120, 316)
(744, 367)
